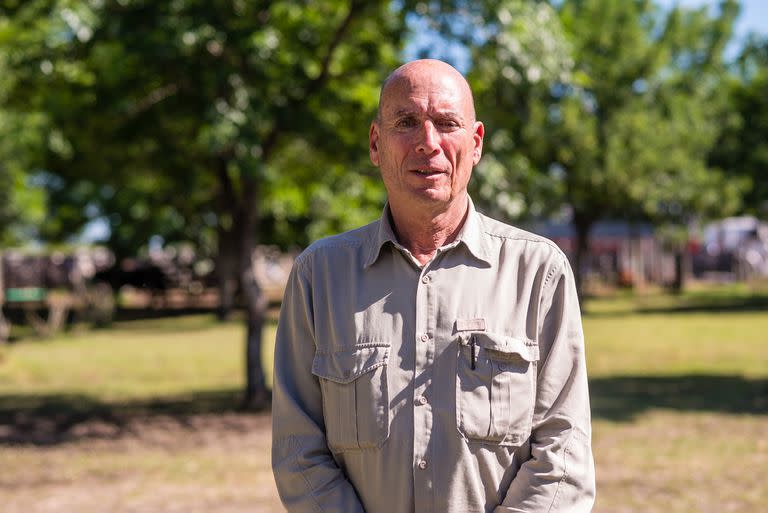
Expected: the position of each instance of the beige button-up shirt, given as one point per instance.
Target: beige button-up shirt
(456, 387)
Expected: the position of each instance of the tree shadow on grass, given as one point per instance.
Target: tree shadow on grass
(712, 303)
(58, 418)
(622, 398)
(755, 303)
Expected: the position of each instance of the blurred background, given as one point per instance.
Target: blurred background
(162, 163)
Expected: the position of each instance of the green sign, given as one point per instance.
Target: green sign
(24, 295)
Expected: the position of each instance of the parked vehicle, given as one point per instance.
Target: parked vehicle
(737, 246)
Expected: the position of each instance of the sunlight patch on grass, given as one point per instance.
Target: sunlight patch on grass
(141, 359)
(676, 462)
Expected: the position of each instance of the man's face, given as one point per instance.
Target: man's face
(426, 140)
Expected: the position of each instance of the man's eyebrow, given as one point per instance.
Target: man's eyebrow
(404, 112)
(439, 114)
(449, 114)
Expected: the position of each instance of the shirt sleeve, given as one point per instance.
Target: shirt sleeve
(307, 477)
(560, 475)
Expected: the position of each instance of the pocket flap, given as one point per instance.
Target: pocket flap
(506, 346)
(346, 366)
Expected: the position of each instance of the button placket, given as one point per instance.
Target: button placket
(422, 406)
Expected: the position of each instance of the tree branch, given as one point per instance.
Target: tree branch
(153, 98)
(338, 37)
(317, 83)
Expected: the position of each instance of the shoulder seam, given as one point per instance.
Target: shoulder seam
(316, 247)
(539, 240)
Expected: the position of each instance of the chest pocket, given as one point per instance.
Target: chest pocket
(355, 396)
(495, 395)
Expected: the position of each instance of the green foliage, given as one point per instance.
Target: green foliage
(168, 119)
(619, 117)
(22, 205)
(179, 118)
(742, 149)
(303, 208)
(192, 119)
(524, 52)
(165, 117)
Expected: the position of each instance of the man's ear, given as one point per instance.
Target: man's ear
(373, 143)
(478, 139)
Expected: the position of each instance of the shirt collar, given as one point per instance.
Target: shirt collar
(471, 235)
(381, 236)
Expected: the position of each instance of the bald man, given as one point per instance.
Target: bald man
(432, 361)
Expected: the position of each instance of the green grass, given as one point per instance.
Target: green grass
(625, 336)
(672, 344)
(134, 360)
(679, 391)
(718, 331)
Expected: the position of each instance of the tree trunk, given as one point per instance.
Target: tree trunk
(679, 281)
(256, 393)
(256, 396)
(581, 225)
(229, 241)
(227, 267)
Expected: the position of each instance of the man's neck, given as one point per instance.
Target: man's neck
(423, 232)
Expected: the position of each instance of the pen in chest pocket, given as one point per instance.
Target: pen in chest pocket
(473, 351)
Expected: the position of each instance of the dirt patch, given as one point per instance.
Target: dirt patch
(159, 463)
(662, 461)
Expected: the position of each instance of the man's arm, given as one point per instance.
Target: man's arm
(560, 475)
(308, 479)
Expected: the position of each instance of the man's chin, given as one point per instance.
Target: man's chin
(431, 198)
(432, 195)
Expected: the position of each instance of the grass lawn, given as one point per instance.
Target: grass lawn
(142, 417)
(680, 403)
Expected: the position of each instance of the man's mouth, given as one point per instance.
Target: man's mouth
(427, 171)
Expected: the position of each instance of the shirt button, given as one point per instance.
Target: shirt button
(424, 338)
(425, 278)
(421, 400)
(422, 464)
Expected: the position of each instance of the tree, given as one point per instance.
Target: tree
(21, 205)
(190, 118)
(622, 127)
(742, 148)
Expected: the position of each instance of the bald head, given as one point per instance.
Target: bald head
(426, 140)
(424, 72)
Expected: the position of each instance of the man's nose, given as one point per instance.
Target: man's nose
(428, 138)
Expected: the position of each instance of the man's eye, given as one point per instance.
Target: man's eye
(447, 124)
(405, 123)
